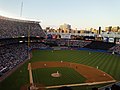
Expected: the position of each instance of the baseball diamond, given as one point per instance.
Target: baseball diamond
(86, 71)
(32, 58)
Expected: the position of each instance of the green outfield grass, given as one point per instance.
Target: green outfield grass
(106, 62)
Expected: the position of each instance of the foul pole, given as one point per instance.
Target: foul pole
(29, 42)
(30, 73)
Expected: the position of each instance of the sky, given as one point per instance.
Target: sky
(79, 14)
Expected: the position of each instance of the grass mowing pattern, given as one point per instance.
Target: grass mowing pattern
(68, 76)
(106, 62)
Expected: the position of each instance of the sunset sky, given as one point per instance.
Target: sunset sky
(78, 13)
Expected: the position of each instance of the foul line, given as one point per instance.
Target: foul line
(82, 84)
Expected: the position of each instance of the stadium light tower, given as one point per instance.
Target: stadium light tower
(21, 9)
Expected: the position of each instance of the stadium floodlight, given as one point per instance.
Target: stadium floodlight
(20, 41)
(22, 36)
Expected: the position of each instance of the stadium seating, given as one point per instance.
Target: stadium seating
(14, 35)
(115, 49)
(12, 28)
(14, 54)
(100, 45)
(11, 55)
(72, 43)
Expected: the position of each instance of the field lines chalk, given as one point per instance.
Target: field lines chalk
(82, 84)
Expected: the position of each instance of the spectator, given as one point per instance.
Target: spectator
(13, 28)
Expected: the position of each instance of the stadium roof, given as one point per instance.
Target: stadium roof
(19, 19)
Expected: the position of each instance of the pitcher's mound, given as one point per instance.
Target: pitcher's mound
(57, 74)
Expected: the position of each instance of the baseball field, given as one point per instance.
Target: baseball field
(108, 63)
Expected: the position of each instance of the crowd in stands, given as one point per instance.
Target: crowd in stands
(115, 49)
(100, 45)
(8, 41)
(79, 43)
(38, 46)
(12, 50)
(17, 28)
(73, 43)
(114, 86)
(14, 54)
